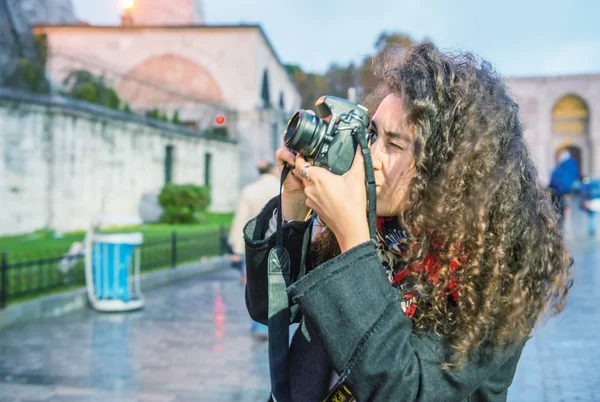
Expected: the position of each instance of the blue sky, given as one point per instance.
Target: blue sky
(520, 37)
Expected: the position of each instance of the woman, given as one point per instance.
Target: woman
(469, 253)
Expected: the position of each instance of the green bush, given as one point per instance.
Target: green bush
(176, 118)
(86, 91)
(184, 203)
(217, 132)
(157, 115)
(85, 86)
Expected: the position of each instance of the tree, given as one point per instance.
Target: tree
(368, 80)
(30, 74)
(397, 39)
(338, 78)
(311, 86)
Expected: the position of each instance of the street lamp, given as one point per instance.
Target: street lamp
(127, 4)
(127, 17)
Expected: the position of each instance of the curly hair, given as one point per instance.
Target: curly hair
(475, 195)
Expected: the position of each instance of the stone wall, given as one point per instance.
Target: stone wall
(64, 162)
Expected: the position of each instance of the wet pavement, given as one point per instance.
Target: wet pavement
(191, 342)
(561, 362)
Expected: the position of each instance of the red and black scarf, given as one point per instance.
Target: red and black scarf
(392, 244)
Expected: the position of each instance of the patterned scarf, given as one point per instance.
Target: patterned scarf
(391, 246)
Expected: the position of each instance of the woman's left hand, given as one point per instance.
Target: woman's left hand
(340, 201)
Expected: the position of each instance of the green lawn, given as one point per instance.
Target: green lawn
(42, 243)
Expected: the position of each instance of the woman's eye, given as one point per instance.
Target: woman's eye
(372, 136)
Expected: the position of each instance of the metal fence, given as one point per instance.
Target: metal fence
(28, 278)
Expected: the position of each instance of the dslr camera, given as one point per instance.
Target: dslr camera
(329, 139)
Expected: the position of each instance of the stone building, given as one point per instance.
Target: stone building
(171, 62)
(561, 111)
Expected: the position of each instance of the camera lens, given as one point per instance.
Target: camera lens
(304, 132)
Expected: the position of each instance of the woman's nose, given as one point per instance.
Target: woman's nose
(376, 155)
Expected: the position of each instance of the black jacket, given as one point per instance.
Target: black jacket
(351, 321)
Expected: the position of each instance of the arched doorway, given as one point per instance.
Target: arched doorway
(570, 129)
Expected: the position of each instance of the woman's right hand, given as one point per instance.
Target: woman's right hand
(293, 199)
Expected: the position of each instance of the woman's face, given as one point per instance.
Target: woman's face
(392, 150)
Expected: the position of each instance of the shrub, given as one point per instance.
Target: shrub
(156, 114)
(176, 118)
(184, 203)
(217, 132)
(85, 86)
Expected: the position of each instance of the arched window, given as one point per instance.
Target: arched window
(570, 122)
(265, 92)
(570, 115)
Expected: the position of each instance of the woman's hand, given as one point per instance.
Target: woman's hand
(340, 201)
(293, 200)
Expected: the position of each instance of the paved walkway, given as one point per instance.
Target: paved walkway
(561, 363)
(192, 343)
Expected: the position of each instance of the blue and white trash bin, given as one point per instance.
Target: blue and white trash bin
(112, 266)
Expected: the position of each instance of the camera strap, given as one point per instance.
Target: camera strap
(370, 182)
(279, 312)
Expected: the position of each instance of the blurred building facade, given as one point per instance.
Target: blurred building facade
(561, 112)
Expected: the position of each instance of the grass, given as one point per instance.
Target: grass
(44, 243)
(35, 259)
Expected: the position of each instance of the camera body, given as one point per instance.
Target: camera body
(329, 139)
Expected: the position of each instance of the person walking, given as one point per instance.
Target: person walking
(252, 200)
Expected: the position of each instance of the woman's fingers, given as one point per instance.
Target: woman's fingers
(285, 155)
(305, 170)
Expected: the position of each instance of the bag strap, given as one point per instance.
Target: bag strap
(279, 312)
(279, 277)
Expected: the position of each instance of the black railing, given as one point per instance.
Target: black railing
(27, 278)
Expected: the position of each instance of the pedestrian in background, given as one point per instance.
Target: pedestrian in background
(252, 200)
(590, 201)
(564, 175)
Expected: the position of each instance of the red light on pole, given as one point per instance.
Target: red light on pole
(220, 120)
